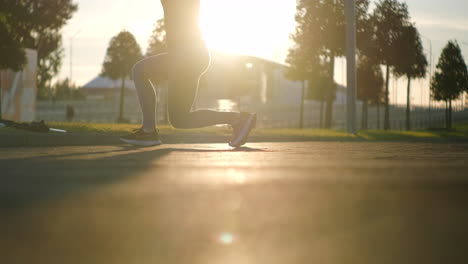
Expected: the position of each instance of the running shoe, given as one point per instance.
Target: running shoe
(142, 138)
(242, 129)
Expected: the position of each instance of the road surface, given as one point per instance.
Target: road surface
(303, 202)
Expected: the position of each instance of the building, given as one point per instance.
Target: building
(104, 88)
(232, 83)
(248, 79)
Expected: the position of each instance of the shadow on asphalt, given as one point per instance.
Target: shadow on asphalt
(27, 181)
(290, 221)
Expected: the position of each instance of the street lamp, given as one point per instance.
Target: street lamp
(71, 53)
(351, 66)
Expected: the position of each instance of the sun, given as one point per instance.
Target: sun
(251, 27)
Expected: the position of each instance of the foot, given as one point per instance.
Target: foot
(142, 138)
(242, 129)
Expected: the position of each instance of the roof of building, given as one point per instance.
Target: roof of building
(229, 58)
(101, 82)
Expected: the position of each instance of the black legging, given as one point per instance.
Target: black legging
(183, 66)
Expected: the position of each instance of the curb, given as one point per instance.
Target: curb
(29, 139)
(53, 139)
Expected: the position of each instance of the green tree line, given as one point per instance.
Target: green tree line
(123, 52)
(34, 24)
(386, 38)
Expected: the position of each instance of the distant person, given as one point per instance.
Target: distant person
(70, 113)
(183, 65)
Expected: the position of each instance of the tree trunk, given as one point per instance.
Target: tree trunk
(301, 114)
(321, 115)
(364, 117)
(387, 105)
(408, 110)
(329, 110)
(446, 115)
(329, 114)
(378, 115)
(1, 117)
(449, 119)
(122, 94)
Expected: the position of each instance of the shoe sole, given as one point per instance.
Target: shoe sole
(244, 133)
(141, 142)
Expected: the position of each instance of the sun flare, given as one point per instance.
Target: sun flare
(252, 27)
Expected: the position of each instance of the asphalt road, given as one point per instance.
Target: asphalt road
(311, 202)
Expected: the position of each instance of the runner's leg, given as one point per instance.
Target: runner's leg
(189, 59)
(182, 94)
(155, 69)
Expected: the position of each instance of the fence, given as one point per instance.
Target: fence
(421, 117)
(97, 111)
(276, 116)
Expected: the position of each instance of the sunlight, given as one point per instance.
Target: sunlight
(226, 238)
(226, 105)
(245, 26)
(236, 176)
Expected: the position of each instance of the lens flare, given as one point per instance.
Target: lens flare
(258, 27)
(226, 238)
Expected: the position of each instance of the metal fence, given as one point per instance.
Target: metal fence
(96, 111)
(421, 117)
(269, 116)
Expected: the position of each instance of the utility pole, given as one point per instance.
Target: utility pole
(1, 114)
(71, 54)
(430, 79)
(351, 66)
(463, 93)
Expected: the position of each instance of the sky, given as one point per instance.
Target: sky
(241, 26)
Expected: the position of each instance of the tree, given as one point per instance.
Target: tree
(65, 90)
(320, 35)
(123, 52)
(322, 88)
(12, 56)
(370, 86)
(410, 62)
(158, 41)
(304, 62)
(34, 24)
(388, 20)
(450, 79)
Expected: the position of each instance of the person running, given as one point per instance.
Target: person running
(183, 65)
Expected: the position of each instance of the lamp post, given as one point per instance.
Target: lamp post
(71, 53)
(351, 66)
(430, 78)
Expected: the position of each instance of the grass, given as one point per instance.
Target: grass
(460, 132)
(126, 128)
